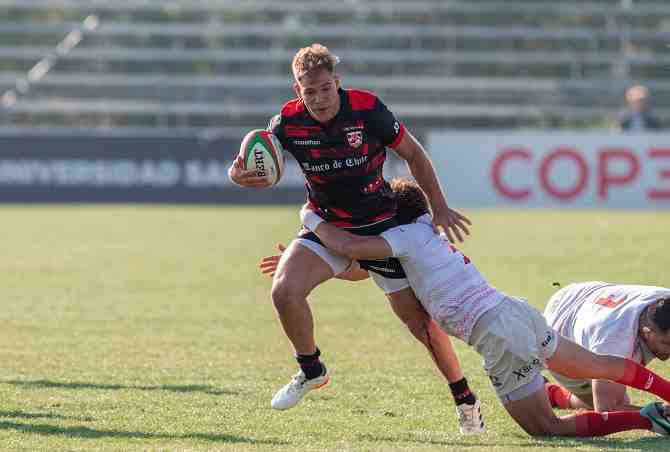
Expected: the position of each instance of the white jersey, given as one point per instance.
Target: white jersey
(449, 286)
(603, 317)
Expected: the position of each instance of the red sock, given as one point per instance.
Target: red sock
(592, 423)
(639, 377)
(558, 396)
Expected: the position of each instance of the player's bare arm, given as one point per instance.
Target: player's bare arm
(454, 223)
(245, 178)
(610, 396)
(268, 266)
(343, 242)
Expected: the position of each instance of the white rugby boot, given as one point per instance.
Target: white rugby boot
(470, 420)
(289, 396)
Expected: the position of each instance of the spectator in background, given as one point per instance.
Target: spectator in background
(637, 117)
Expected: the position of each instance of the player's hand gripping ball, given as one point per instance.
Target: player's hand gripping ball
(262, 151)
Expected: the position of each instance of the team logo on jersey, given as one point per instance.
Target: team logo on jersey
(355, 138)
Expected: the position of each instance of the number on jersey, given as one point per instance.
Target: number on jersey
(610, 302)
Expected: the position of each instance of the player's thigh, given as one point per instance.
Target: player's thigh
(406, 306)
(574, 361)
(534, 414)
(300, 270)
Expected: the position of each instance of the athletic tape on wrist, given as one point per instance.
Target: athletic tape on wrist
(312, 221)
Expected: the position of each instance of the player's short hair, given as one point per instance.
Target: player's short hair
(412, 201)
(312, 59)
(661, 314)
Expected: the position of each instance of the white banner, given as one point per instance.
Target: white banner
(553, 169)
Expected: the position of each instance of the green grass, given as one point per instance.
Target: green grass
(149, 328)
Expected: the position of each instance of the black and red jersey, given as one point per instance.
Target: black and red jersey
(343, 159)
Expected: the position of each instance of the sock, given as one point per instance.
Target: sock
(639, 377)
(462, 393)
(558, 396)
(592, 423)
(310, 365)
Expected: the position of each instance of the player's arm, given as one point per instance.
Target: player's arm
(268, 266)
(453, 222)
(610, 396)
(343, 242)
(354, 273)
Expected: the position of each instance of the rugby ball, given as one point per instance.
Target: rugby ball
(262, 151)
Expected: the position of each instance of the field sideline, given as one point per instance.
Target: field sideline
(149, 328)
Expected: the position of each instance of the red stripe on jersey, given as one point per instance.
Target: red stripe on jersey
(361, 100)
(348, 224)
(317, 179)
(293, 107)
(398, 139)
(340, 213)
(300, 131)
(384, 216)
(377, 161)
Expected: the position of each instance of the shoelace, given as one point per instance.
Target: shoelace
(299, 380)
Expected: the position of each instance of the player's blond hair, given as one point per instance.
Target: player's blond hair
(412, 201)
(313, 58)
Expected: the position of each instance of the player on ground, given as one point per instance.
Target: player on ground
(339, 138)
(512, 337)
(630, 321)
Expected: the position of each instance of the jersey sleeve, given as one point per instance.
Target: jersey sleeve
(385, 125)
(398, 239)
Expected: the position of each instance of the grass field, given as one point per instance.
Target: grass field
(149, 328)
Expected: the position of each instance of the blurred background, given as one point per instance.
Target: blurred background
(550, 103)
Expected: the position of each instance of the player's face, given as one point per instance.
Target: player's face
(319, 93)
(658, 343)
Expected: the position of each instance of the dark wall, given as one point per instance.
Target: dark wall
(82, 169)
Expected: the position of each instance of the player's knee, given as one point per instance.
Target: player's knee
(547, 426)
(284, 294)
(539, 423)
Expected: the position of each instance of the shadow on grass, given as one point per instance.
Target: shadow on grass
(24, 415)
(207, 389)
(650, 443)
(89, 433)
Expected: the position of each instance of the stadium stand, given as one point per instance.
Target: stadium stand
(208, 65)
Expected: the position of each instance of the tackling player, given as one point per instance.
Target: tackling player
(339, 138)
(630, 321)
(512, 337)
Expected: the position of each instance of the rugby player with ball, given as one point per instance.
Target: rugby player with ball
(340, 138)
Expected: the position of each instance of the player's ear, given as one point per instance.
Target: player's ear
(296, 88)
(338, 83)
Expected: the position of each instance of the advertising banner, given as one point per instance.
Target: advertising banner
(551, 169)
